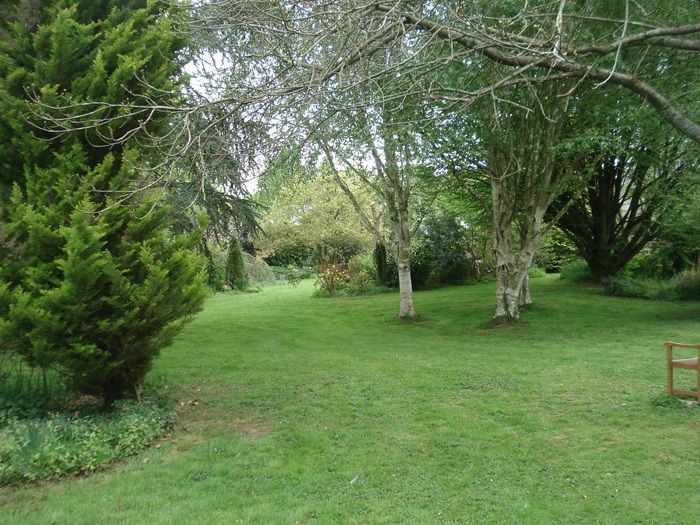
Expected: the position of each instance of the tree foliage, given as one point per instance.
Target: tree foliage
(310, 212)
(92, 283)
(632, 171)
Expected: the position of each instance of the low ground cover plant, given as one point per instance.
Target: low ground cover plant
(63, 443)
(47, 431)
(682, 286)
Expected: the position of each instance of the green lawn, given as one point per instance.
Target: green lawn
(301, 410)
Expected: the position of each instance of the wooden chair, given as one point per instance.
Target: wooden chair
(692, 363)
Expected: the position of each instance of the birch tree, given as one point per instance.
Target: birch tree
(381, 142)
(525, 176)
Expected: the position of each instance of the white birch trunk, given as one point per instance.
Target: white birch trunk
(501, 286)
(512, 286)
(397, 192)
(405, 288)
(525, 297)
(403, 262)
(504, 254)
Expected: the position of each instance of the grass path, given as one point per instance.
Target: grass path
(300, 410)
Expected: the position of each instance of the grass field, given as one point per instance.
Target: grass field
(301, 410)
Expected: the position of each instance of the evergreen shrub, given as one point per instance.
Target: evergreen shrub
(236, 276)
(96, 295)
(216, 268)
(380, 264)
(93, 284)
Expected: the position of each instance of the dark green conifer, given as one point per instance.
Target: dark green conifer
(236, 276)
(92, 284)
(380, 263)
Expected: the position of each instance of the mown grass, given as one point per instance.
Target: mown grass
(301, 410)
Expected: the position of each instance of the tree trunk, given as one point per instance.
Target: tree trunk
(512, 282)
(403, 262)
(396, 195)
(525, 298)
(507, 291)
(501, 286)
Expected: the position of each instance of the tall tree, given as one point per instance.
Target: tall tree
(632, 172)
(381, 136)
(521, 152)
(92, 282)
(616, 217)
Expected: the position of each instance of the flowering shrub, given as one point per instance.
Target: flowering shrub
(331, 278)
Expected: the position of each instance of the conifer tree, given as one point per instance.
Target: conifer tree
(91, 284)
(236, 276)
(380, 263)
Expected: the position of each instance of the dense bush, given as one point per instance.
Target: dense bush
(294, 275)
(357, 277)
(362, 276)
(682, 286)
(298, 256)
(555, 251)
(624, 287)
(660, 262)
(422, 264)
(446, 238)
(380, 264)
(440, 254)
(685, 285)
(422, 261)
(304, 272)
(576, 271)
(53, 447)
(331, 278)
(535, 273)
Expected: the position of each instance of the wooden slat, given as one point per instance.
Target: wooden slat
(682, 345)
(685, 363)
(688, 363)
